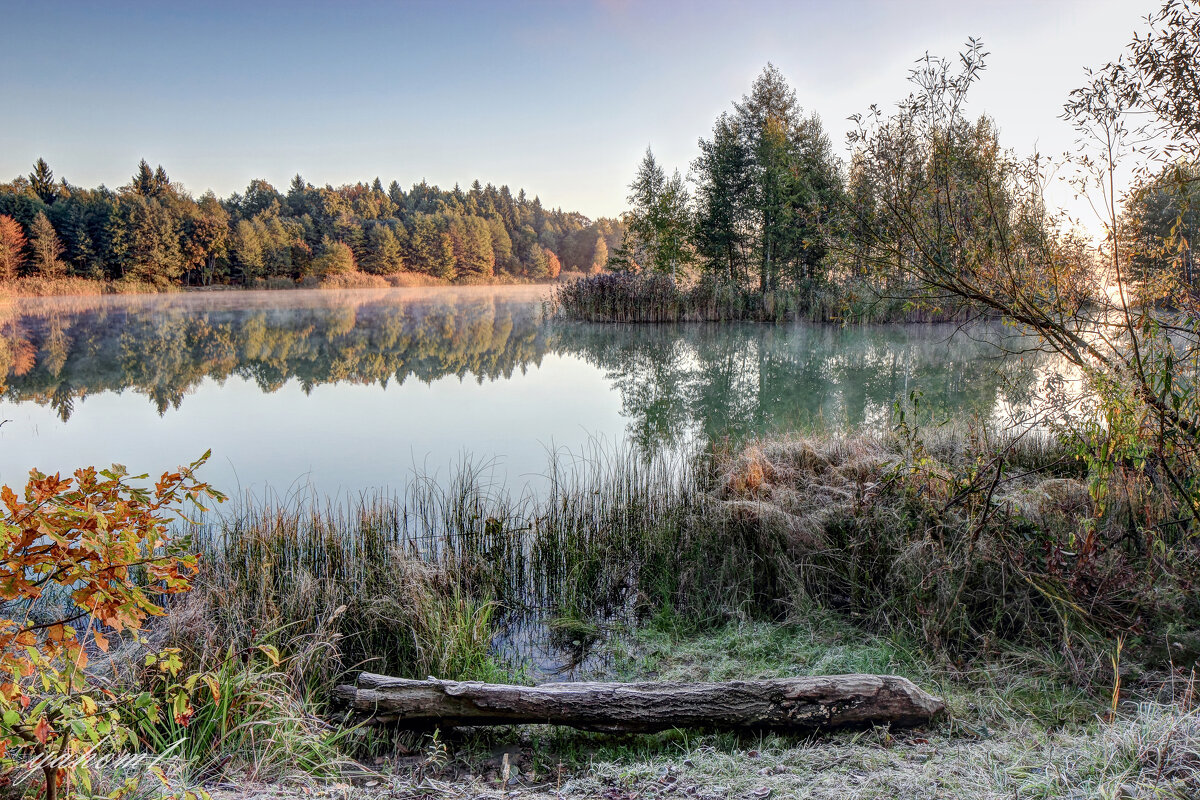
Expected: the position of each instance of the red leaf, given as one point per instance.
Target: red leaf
(42, 730)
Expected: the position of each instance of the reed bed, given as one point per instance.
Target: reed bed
(416, 584)
(656, 298)
(904, 531)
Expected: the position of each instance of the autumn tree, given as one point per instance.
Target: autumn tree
(966, 221)
(599, 255)
(12, 247)
(553, 265)
(1160, 227)
(204, 238)
(336, 258)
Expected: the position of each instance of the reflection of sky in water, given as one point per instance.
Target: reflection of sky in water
(207, 357)
(339, 437)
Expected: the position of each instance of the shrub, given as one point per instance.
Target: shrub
(85, 560)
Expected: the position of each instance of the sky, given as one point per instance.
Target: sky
(560, 98)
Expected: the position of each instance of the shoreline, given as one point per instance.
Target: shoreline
(24, 288)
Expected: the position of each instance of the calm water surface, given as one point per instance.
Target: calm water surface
(340, 392)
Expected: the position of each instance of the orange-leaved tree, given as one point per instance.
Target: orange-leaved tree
(87, 558)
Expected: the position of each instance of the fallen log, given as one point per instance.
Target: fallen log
(797, 704)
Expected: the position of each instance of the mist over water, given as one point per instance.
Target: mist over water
(341, 392)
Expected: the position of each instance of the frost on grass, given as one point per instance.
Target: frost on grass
(1153, 752)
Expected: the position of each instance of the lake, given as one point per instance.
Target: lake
(337, 392)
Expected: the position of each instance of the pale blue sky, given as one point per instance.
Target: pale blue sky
(558, 97)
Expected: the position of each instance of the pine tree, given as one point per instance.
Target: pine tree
(46, 248)
(659, 218)
(502, 247)
(383, 255)
(478, 257)
(145, 240)
(12, 248)
(41, 180)
(143, 180)
(539, 263)
(444, 260)
(723, 197)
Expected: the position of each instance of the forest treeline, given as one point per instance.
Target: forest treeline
(152, 233)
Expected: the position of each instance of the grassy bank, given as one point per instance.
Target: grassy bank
(1014, 729)
(965, 540)
(657, 298)
(975, 562)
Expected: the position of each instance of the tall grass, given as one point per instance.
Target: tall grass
(909, 532)
(656, 298)
(67, 286)
(419, 584)
(250, 721)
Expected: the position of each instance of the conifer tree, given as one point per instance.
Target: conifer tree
(143, 179)
(46, 248)
(659, 218)
(41, 180)
(383, 255)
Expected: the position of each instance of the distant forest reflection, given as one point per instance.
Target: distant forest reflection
(674, 381)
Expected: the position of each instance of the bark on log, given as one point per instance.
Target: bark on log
(797, 704)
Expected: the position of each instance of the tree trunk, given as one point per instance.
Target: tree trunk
(808, 703)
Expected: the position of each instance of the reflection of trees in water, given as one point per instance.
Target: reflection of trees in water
(739, 380)
(165, 351)
(674, 381)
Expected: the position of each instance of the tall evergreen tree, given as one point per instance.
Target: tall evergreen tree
(41, 180)
(143, 180)
(659, 218)
(723, 189)
(383, 254)
(46, 249)
(768, 184)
